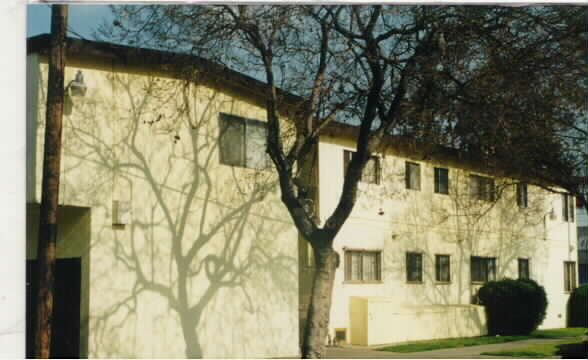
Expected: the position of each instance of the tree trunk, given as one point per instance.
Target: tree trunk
(193, 348)
(317, 321)
(46, 247)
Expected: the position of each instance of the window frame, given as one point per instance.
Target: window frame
(438, 269)
(570, 282)
(568, 208)
(245, 123)
(522, 269)
(480, 192)
(348, 276)
(522, 195)
(485, 267)
(419, 269)
(376, 177)
(407, 175)
(437, 171)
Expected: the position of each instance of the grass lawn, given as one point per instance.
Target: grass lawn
(568, 348)
(558, 333)
(451, 343)
(483, 340)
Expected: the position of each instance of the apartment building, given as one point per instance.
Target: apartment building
(173, 241)
(430, 227)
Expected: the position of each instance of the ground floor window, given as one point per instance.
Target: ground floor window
(569, 275)
(414, 267)
(483, 269)
(363, 265)
(524, 269)
(442, 270)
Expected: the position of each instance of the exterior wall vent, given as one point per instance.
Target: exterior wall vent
(340, 336)
(121, 212)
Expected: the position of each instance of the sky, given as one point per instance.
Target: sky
(83, 19)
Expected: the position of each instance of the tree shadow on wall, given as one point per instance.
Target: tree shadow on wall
(204, 237)
(461, 226)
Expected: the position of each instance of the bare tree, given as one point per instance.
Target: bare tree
(440, 75)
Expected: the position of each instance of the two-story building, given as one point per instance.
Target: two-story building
(173, 241)
(430, 227)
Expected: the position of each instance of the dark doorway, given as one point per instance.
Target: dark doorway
(65, 334)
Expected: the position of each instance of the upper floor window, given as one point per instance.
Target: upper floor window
(442, 268)
(524, 272)
(482, 188)
(243, 142)
(363, 265)
(522, 195)
(372, 170)
(569, 275)
(413, 176)
(483, 269)
(568, 207)
(414, 267)
(441, 181)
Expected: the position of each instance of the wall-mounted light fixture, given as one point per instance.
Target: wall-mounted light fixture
(76, 87)
(308, 206)
(552, 214)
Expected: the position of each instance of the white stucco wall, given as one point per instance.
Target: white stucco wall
(152, 141)
(371, 319)
(395, 220)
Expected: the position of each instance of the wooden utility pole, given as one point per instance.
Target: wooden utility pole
(46, 246)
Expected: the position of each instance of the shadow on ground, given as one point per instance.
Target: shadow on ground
(573, 351)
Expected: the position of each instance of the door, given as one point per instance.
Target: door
(65, 334)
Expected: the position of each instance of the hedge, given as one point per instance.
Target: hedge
(578, 306)
(513, 307)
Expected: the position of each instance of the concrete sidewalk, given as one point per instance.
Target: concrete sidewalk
(469, 352)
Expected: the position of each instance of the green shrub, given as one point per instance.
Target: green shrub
(513, 307)
(578, 306)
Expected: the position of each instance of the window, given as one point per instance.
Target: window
(522, 195)
(568, 207)
(442, 273)
(482, 188)
(441, 181)
(371, 172)
(413, 176)
(483, 269)
(414, 267)
(363, 265)
(243, 142)
(569, 275)
(524, 269)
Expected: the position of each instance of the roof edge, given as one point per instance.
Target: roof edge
(137, 56)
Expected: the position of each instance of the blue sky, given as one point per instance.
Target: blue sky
(83, 19)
